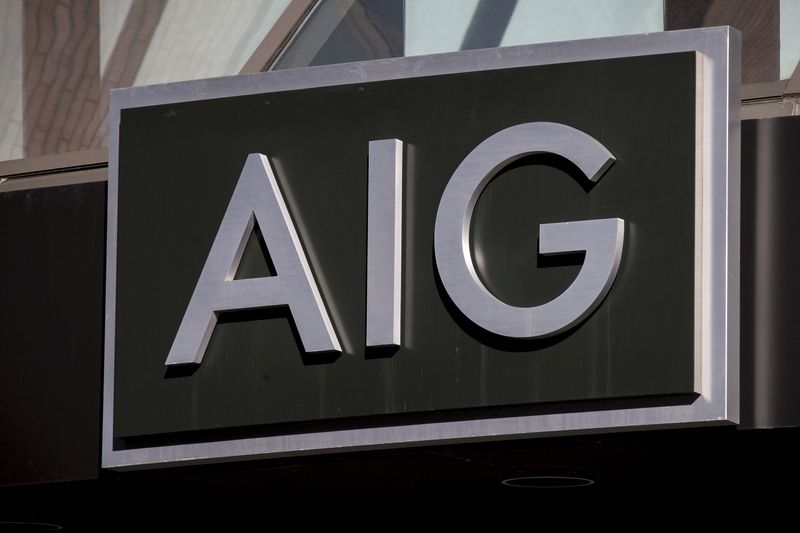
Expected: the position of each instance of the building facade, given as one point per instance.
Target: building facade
(60, 61)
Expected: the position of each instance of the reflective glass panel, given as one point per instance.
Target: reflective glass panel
(351, 30)
(60, 59)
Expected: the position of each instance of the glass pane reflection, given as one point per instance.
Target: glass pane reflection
(351, 30)
(452, 25)
(60, 59)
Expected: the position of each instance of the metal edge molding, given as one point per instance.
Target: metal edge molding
(717, 344)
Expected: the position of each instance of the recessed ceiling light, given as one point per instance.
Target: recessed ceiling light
(28, 526)
(548, 482)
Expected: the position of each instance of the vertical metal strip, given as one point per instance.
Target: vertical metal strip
(384, 242)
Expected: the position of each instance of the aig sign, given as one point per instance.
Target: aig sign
(257, 199)
(497, 243)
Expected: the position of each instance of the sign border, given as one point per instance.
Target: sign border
(717, 245)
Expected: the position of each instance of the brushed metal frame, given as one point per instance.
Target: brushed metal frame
(279, 36)
(717, 245)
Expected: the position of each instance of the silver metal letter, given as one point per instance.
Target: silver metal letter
(384, 242)
(257, 198)
(601, 239)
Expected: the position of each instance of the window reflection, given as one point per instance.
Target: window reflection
(545, 21)
(11, 80)
(790, 37)
(353, 30)
(339, 31)
(168, 40)
(60, 59)
(453, 25)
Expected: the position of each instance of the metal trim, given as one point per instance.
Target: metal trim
(53, 180)
(28, 167)
(319, 22)
(284, 29)
(793, 83)
(718, 243)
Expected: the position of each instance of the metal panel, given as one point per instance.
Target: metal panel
(717, 243)
(51, 347)
(770, 262)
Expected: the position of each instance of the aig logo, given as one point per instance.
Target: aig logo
(258, 200)
(440, 265)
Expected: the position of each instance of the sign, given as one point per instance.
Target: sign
(494, 243)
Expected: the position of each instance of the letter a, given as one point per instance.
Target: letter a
(256, 199)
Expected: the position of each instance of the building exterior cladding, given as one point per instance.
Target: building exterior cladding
(60, 59)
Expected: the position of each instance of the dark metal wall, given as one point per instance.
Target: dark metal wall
(770, 340)
(51, 291)
(51, 311)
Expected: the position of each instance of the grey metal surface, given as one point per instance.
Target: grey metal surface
(601, 239)
(717, 244)
(384, 242)
(770, 263)
(256, 199)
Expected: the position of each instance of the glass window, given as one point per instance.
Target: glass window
(59, 60)
(183, 39)
(790, 37)
(351, 30)
(11, 80)
(451, 18)
(563, 20)
(431, 26)
(339, 31)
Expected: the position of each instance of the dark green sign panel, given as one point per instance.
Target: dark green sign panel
(178, 162)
